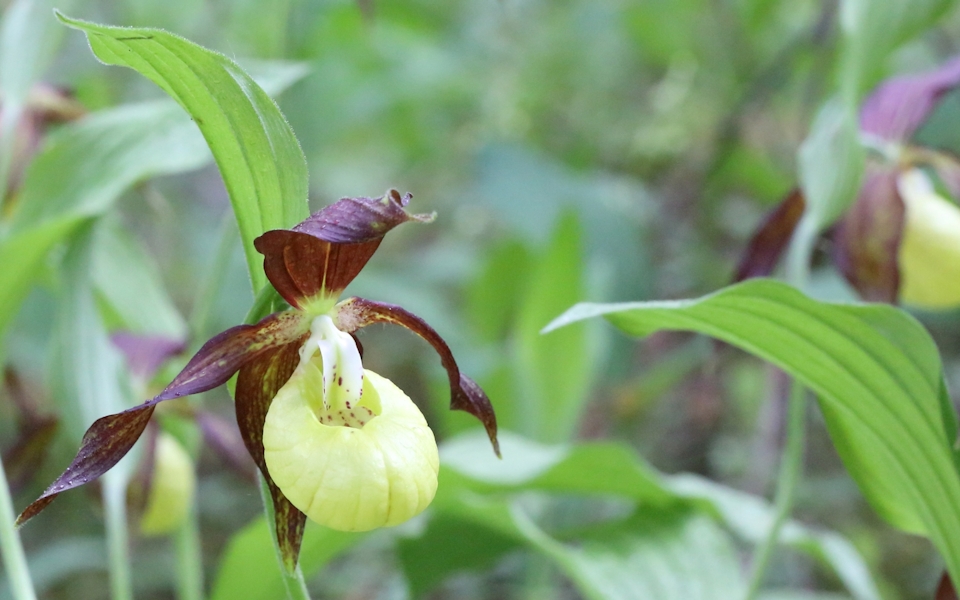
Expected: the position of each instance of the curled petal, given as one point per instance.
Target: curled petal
(900, 105)
(103, 445)
(868, 237)
(349, 477)
(465, 394)
(111, 437)
(320, 256)
(771, 238)
(224, 354)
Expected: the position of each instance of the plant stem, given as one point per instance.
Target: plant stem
(791, 466)
(189, 559)
(118, 546)
(296, 586)
(14, 560)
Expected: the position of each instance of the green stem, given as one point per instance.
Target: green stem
(293, 582)
(118, 545)
(14, 560)
(791, 466)
(189, 559)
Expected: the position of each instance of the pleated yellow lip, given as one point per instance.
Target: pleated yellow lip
(351, 462)
(929, 255)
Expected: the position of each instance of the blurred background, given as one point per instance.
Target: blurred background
(574, 150)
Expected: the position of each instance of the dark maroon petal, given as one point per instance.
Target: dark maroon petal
(945, 590)
(103, 445)
(146, 353)
(900, 105)
(224, 354)
(111, 437)
(321, 255)
(258, 383)
(465, 394)
(867, 240)
(771, 238)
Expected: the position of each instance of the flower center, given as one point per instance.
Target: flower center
(333, 377)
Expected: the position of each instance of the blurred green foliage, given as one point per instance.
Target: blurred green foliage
(574, 150)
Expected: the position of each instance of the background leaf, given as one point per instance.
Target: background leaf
(883, 393)
(259, 157)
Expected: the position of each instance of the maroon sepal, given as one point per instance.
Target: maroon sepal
(258, 383)
(771, 238)
(321, 255)
(867, 240)
(103, 445)
(111, 437)
(225, 353)
(900, 105)
(146, 353)
(465, 394)
(945, 590)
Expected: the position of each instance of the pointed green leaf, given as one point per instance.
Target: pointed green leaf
(262, 165)
(876, 373)
(554, 371)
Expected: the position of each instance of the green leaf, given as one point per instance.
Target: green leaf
(128, 283)
(242, 573)
(29, 38)
(22, 256)
(598, 469)
(262, 165)
(554, 371)
(876, 374)
(654, 554)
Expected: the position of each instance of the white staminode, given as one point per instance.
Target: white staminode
(342, 366)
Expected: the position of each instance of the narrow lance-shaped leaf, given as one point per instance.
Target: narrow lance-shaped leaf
(111, 437)
(262, 165)
(465, 394)
(877, 375)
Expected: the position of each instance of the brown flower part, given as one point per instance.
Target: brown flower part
(318, 258)
(111, 437)
(465, 394)
(309, 265)
(868, 238)
(770, 239)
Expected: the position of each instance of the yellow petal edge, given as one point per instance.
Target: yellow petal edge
(172, 488)
(929, 256)
(351, 478)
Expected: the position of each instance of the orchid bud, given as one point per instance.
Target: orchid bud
(929, 255)
(172, 487)
(345, 445)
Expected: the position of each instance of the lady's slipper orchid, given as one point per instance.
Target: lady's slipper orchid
(900, 240)
(334, 441)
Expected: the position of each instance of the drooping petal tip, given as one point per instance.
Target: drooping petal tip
(465, 394)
